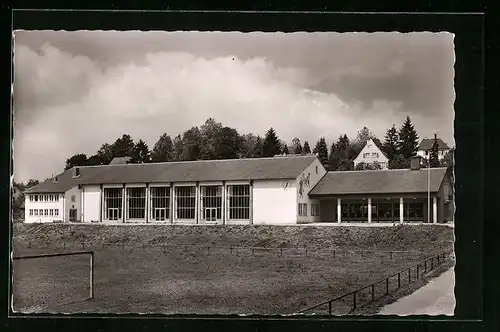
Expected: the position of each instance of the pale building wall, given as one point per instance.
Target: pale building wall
(305, 182)
(91, 203)
(73, 200)
(274, 202)
(370, 154)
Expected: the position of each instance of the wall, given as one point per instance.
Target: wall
(69, 204)
(307, 180)
(370, 148)
(274, 202)
(446, 208)
(328, 210)
(91, 203)
(42, 205)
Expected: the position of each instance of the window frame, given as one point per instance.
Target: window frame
(241, 195)
(136, 203)
(185, 202)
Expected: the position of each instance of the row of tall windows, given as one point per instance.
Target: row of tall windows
(211, 203)
(44, 212)
(44, 197)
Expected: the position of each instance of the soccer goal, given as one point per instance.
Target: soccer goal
(52, 280)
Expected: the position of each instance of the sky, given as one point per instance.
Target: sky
(74, 91)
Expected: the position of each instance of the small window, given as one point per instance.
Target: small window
(36, 198)
(314, 210)
(375, 154)
(31, 212)
(40, 212)
(73, 198)
(56, 212)
(36, 212)
(426, 152)
(46, 212)
(31, 198)
(56, 198)
(51, 212)
(316, 169)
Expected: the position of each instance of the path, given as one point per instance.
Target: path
(435, 298)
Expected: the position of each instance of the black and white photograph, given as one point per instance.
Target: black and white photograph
(233, 173)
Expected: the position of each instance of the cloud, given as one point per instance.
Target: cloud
(67, 103)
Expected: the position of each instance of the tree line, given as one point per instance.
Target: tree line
(212, 140)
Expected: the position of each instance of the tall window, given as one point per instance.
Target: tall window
(185, 202)
(56, 212)
(36, 212)
(314, 210)
(36, 198)
(160, 203)
(211, 202)
(303, 209)
(31, 212)
(239, 202)
(136, 203)
(113, 202)
(31, 198)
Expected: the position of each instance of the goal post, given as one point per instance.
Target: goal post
(90, 253)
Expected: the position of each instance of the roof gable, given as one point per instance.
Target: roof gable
(380, 182)
(283, 167)
(371, 145)
(427, 143)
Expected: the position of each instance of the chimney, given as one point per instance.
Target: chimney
(55, 179)
(76, 172)
(415, 163)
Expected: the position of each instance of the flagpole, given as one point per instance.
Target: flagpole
(428, 188)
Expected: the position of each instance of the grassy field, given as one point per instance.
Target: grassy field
(139, 279)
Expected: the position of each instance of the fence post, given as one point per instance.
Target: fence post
(373, 292)
(409, 275)
(390, 255)
(425, 266)
(253, 251)
(231, 249)
(208, 250)
(387, 286)
(281, 251)
(418, 271)
(432, 263)
(354, 301)
(306, 251)
(330, 307)
(399, 280)
(334, 253)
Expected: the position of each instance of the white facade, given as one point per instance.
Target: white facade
(425, 154)
(41, 208)
(273, 202)
(259, 202)
(371, 154)
(307, 209)
(91, 203)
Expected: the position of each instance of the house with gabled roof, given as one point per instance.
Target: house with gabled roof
(372, 154)
(426, 145)
(282, 190)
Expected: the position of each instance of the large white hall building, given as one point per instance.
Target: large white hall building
(282, 190)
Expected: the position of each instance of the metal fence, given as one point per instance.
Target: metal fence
(234, 249)
(91, 253)
(367, 294)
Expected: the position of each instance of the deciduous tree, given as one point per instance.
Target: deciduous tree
(163, 149)
(76, 160)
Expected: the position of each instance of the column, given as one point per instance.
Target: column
(339, 211)
(196, 202)
(401, 212)
(172, 205)
(223, 208)
(434, 210)
(147, 206)
(124, 202)
(251, 203)
(369, 210)
(101, 198)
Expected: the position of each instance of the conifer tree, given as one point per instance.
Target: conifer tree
(408, 139)
(306, 149)
(391, 142)
(321, 150)
(271, 145)
(433, 154)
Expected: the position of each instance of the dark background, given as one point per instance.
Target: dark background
(476, 249)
